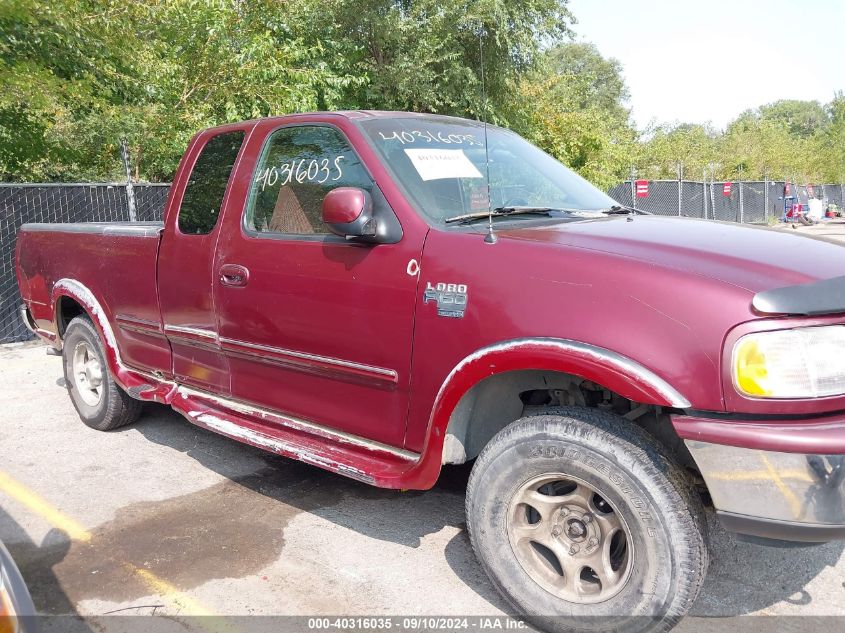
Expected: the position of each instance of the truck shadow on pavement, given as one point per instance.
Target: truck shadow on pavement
(390, 515)
(743, 577)
(746, 577)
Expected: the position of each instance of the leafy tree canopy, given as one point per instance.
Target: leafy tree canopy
(802, 118)
(785, 140)
(574, 106)
(604, 83)
(76, 76)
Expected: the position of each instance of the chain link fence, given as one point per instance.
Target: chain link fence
(754, 202)
(20, 204)
(750, 202)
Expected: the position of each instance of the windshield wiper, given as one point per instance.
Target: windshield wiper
(621, 209)
(501, 211)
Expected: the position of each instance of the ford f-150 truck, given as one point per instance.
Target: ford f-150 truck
(380, 294)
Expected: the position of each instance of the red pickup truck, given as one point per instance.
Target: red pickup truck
(379, 294)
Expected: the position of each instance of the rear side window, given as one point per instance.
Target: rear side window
(207, 185)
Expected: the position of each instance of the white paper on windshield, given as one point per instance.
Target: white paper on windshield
(434, 164)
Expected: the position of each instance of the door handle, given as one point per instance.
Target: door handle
(234, 275)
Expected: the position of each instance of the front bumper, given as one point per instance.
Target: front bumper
(780, 479)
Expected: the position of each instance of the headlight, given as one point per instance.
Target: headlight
(801, 363)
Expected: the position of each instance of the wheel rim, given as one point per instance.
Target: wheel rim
(87, 374)
(569, 539)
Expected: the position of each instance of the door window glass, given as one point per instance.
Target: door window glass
(207, 184)
(298, 167)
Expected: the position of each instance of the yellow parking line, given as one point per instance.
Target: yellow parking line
(75, 531)
(164, 588)
(43, 509)
(761, 475)
(791, 498)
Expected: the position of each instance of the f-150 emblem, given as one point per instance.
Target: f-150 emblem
(451, 299)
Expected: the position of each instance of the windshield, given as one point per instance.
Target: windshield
(442, 164)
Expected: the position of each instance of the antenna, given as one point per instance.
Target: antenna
(490, 238)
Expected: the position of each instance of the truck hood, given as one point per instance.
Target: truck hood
(749, 257)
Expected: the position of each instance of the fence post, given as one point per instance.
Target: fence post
(130, 191)
(704, 192)
(680, 187)
(633, 187)
(713, 196)
(741, 204)
(766, 197)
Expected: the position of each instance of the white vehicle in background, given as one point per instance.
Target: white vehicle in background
(815, 210)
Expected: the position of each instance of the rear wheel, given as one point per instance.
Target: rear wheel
(99, 401)
(583, 523)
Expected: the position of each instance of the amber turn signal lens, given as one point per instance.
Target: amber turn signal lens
(750, 368)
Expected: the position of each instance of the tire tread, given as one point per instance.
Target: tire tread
(121, 408)
(686, 524)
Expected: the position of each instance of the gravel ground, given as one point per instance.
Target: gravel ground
(828, 229)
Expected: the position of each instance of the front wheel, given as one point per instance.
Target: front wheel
(97, 398)
(583, 523)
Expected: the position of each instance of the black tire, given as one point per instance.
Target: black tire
(114, 407)
(660, 512)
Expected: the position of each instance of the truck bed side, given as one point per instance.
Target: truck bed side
(116, 263)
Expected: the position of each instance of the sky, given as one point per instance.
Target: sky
(696, 62)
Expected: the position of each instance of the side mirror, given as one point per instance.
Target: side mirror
(348, 211)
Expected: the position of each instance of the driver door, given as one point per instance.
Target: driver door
(315, 326)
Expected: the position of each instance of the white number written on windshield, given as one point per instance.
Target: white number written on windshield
(407, 137)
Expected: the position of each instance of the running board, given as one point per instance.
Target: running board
(349, 455)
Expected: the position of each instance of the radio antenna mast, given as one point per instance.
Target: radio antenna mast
(490, 238)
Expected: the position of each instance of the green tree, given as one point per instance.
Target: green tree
(692, 146)
(79, 74)
(55, 70)
(602, 82)
(785, 140)
(829, 145)
(802, 118)
(574, 106)
(754, 148)
(424, 55)
(207, 62)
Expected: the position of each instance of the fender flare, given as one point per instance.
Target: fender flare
(602, 366)
(139, 384)
(618, 373)
(80, 293)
